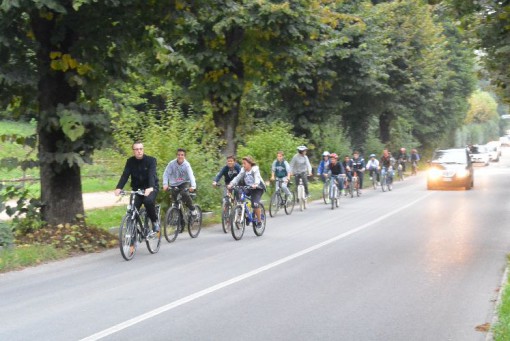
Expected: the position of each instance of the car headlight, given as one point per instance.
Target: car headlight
(462, 173)
(435, 173)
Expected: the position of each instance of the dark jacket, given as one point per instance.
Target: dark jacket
(142, 172)
(228, 173)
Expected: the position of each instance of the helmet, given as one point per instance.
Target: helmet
(326, 153)
(301, 148)
(372, 155)
(333, 156)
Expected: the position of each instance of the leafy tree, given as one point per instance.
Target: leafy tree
(482, 108)
(56, 56)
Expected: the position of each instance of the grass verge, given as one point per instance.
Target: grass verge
(501, 330)
(28, 255)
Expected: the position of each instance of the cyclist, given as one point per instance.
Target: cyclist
(142, 170)
(250, 175)
(229, 171)
(336, 168)
(322, 170)
(179, 177)
(403, 158)
(358, 166)
(300, 167)
(348, 166)
(280, 169)
(387, 162)
(373, 167)
(415, 157)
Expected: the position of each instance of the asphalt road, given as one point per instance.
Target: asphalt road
(410, 264)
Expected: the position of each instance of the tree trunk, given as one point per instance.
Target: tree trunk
(61, 193)
(384, 127)
(227, 122)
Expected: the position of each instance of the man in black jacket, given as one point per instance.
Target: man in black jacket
(142, 170)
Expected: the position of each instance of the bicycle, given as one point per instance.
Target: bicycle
(355, 184)
(414, 168)
(301, 193)
(135, 227)
(243, 214)
(278, 200)
(400, 171)
(386, 181)
(325, 191)
(373, 178)
(178, 216)
(334, 192)
(226, 209)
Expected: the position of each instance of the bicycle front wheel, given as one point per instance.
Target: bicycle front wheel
(154, 242)
(127, 237)
(259, 230)
(301, 197)
(172, 224)
(225, 217)
(289, 204)
(325, 192)
(383, 183)
(334, 197)
(238, 223)
(274, 204)
(351, 188)
(195, 222)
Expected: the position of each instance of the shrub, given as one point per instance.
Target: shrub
(266, 140)
(6, 235)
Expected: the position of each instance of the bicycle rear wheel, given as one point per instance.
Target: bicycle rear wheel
(274, 205)
(259, 230)
(289, 204)
(195, 223)
(238, 223)
(172, 224)
(127, 237)
(225, 217)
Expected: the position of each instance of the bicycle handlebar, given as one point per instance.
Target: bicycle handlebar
(139, 192)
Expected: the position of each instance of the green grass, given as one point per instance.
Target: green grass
(105, 218)
(501, 329)
(18, 128)
(23, 256)
(103, 175)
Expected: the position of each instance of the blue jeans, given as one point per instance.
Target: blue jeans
(390, 173)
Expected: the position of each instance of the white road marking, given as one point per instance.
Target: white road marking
(192, 297)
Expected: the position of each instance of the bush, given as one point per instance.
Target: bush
(6, 235)
(266, 140)
(165, 132)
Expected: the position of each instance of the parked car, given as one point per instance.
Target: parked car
(505, 140)
(479, 154)
(450, 168)
(494, 148)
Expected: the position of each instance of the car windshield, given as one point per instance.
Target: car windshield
(478, 149)
(450, 156)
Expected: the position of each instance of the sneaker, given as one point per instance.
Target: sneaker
(152, 235)
(259, 224)
(194, 213)
(343, 192)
